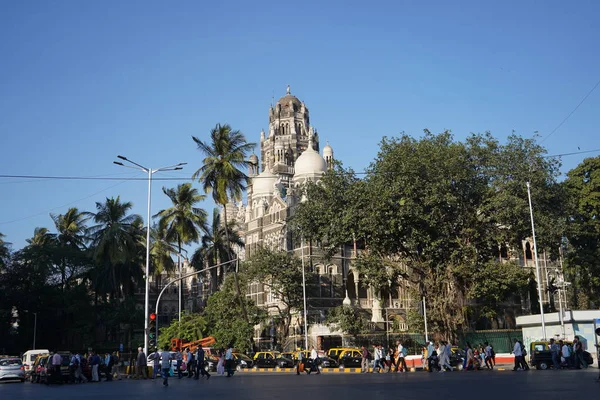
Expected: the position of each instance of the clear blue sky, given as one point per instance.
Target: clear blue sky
(83, 81)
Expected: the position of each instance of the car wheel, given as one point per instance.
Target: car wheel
(542, 365)
(238, 368)
(459, 367)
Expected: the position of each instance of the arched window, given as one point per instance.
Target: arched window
(528, 252)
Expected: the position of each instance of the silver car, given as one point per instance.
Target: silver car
(12, 369)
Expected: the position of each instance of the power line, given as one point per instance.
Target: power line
(68, 204)
(572, 112)
(173, 178)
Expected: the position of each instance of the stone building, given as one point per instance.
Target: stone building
(289, 157)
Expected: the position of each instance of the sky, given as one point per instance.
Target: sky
(84, 81)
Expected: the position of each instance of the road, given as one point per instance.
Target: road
(489, 385)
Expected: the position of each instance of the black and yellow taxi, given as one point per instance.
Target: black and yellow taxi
(350, 358)
(272, 359)
(540, 355)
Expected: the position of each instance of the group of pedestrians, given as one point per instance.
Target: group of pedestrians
(567, 356)
(78, 367)
(163, 361)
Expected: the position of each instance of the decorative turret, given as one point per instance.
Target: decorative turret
(328, 155)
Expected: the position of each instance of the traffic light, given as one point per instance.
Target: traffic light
(152, 330)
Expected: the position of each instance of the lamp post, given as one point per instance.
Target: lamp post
(537, 265)
(34, 328)
(150, 172)
(304, 296)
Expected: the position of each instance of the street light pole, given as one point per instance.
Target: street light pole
(304, 297)
(537, 265)
(34, 328)
(150, 172)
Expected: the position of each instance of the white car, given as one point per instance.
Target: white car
(11, 368)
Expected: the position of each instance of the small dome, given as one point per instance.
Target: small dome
(284, 102)
(327, 150)
(310, 162)
(262, 184)
(253, 159)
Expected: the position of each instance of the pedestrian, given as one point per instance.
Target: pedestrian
(315, 361)
(55, 373)
(178, 362)
(109, 362)
(200, 363)
(470, 358)
(401, 361)
(377, 359)
(191, 363)
(154, 357)
(166, 365)
(518, 353)
(578, 359)
(75, 365)
(229, 360)
(443, 356)
(565, 354)
(366, 356)
(141, 365)
(300, 365)
(488, 356)
(555, 352)
(524, 365)
(430, 356)
(95, 364)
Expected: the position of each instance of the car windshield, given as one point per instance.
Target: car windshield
(10, 362)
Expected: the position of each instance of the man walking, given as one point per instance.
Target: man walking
(200, 362)
(578, 354)
(109, 362)
(364, 364)
(95, 364)
(166, 365)
(315, 361)
(229, 360)
(555, 351)
(300, 362)
(488, 356)
(191, 365)
(56, 363)
(76, 366)
(141, 365)
(179, 360)
(400, 362)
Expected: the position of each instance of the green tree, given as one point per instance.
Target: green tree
(220, 174)
(183, 222)
(348, 319)
(115, 241)
(161, 252)
(583, 232)
(225, 320)
(281, 273)
(192, 327)
(215, 248)
(4, 252)
(70, 241)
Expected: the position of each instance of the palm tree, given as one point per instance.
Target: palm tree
(220, 173)
(4, 251)
(214, 248)
(160, 253)
(114, 238)
(183, 221)
(71, 228)
(70, 240)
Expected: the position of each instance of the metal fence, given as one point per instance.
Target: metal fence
(502, 340)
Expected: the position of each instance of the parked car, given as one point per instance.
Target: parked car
(45, 373)
(540, 355)
(272, 359)
(337, 351)
(29, 358)
(242, 361)
(12, 369)
(350, 358)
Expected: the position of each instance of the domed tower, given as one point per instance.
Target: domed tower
(328, 155)
(289, 125)
(253, 165)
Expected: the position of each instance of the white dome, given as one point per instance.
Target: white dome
(327, 150)
(310, 162)
(262, 184)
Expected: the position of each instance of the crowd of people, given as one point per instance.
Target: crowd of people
(82, 368)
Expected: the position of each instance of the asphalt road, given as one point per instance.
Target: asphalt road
(489, 385)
